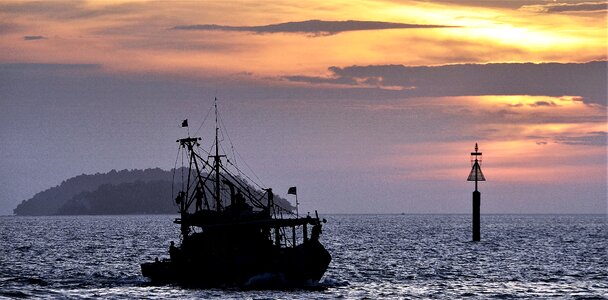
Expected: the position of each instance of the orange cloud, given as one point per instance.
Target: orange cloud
(561, 143)
(136, 36)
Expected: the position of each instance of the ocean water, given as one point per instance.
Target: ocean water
(374, 257)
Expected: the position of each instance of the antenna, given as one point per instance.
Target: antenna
(217, 161)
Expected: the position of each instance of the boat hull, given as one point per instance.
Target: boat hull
(286, 267)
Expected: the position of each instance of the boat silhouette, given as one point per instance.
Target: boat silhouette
(233, 234)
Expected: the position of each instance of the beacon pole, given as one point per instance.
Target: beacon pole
(476, 175)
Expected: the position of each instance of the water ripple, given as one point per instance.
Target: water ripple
(374, 257)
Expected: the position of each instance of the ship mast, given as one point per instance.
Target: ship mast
(217, 162)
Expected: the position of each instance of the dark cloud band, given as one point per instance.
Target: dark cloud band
(597, 138)
(313, 27)
(567, 7)
(33, 37)
(587, 80)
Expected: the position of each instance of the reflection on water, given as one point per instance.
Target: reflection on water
(374, 256)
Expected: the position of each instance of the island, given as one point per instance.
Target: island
(148, 191)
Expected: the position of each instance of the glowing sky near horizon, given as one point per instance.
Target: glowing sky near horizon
(347, 112)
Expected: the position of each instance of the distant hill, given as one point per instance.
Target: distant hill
(48, 202)
(140, 197)
(116, 192)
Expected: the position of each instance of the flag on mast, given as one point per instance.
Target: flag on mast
(185, 123)
(292, 190)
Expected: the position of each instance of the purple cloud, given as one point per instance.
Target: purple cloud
(568, 7)
(33, 37)
(313, 27)
(596, 138)
(587, 80)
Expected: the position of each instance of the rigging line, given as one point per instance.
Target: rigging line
(210, 149)
(282, 209)
(204, 119)
(235, 160)
(220, 124)
(198, 146)
(250, 169)
(229, 140)
(242, 187)
(204, 151)
(245, 175)
(223, 128)
(235, 153)
(173, 175)
(224, 131)
(252, 197)
(182, 170)
(205, 162)
(237, 181)
(223, 150)
(192, 182)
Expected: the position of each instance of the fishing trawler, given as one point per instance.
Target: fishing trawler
(233, 234)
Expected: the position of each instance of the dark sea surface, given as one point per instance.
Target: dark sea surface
(374, 257)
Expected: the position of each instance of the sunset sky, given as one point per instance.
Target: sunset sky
(366, 106)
